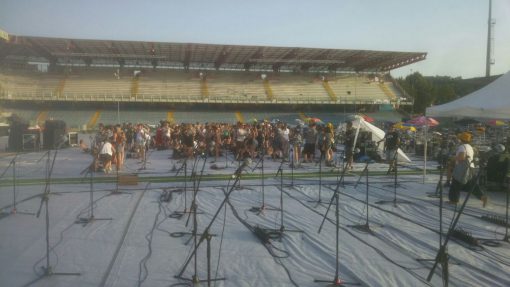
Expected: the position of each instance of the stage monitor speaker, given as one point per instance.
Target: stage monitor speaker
(31, 140)
(17, 128)
(420, 150)
(54, 133)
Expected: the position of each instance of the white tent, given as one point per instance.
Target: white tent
(377, 135)
(491, 101)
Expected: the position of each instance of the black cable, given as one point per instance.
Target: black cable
(426, 201)
(395, 244)
(88, 207)
(221, 245)
(269, 246)
(377, 250)
(61, 236)
(52, 249)
(148, 237)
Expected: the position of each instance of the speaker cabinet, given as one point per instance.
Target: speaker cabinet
(54, 134)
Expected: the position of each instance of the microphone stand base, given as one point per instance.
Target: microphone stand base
(362, 227)
(433, 195)
(320, 202)
(196, 280)
(180, 214)
(261, 209)
(336, 282)
(395, 202)
(48, 272)
(84, 221)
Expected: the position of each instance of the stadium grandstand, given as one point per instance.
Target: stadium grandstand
(85, 82)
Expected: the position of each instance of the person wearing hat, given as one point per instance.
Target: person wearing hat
(465, 152)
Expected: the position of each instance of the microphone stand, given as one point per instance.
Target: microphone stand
(196, 185)
(442, 254)
(319, 201)
(14, 209)
(91, 218)
(179, 214)
(336, 280)
(439, 186)
(506, 238)
(444, 257)
(13, 186)
(239, 166)
(292, 167)
(193, 212)
(364, 227)
(144, 163)
(395, 183)
(13, 163)
(263, 206)
(207, 236)
(282, 227)
(339, 182)
(226, 156)
(48, 270)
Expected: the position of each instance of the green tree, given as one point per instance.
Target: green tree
(420, 90)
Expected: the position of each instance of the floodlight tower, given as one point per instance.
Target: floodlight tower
(490, 42)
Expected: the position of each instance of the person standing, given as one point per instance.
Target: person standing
(465, 152)
(296, 140)
(119, 139)
(284, 133)
(310, 136)
(349, 145)
(391, 144)
(105, 155)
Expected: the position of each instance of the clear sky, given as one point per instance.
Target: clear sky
(452, 32)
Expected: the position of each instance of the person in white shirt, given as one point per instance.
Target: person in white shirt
(105, 155)
(465, 152)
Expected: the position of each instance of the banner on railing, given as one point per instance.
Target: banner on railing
(4, 35)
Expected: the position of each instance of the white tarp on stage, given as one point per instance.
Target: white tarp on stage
(377, 135)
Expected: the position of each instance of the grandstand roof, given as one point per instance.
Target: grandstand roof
(188, 55)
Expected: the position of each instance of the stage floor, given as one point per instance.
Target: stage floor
(145, 245)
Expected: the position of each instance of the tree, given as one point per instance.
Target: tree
(438, 89)
(420, 90)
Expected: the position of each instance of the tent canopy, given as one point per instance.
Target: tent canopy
(491, 101)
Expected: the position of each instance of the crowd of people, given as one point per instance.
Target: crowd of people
(298, 144)
(302, 143)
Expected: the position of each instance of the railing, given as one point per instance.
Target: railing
(146, 98)
(401, 90)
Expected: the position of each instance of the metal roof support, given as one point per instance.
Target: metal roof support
(259, 53)
(222, 57)
(41, 51)
(187, 57)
